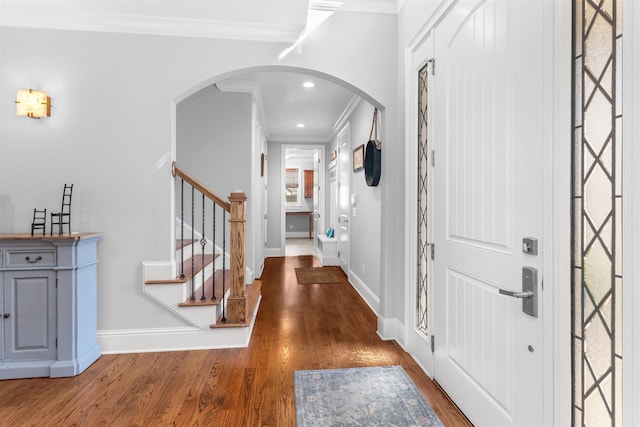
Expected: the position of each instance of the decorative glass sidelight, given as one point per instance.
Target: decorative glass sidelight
(423, 246)
(597, 214)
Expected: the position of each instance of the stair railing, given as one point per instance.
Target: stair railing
(235, 309)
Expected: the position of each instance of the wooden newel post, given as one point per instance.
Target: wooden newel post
(237, 301)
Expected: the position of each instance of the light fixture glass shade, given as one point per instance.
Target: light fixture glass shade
(33, 103)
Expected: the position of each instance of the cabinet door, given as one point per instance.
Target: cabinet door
(308, 184)
(30, 302)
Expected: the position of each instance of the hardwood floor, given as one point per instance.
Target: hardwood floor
(297, 327)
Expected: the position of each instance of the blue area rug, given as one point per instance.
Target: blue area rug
(380, 396)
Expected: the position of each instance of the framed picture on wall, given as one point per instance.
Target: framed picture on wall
(358, 158)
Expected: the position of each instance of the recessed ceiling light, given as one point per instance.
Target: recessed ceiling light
(308, 84)
(300, 125)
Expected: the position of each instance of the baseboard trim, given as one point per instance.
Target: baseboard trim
(372, 300)
(297, 235)
(273, 252)
(123, 341)
(391, 329)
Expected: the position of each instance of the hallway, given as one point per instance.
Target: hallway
(297, 327)
(297, 247)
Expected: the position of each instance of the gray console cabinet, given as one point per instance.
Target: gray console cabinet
(48, 305)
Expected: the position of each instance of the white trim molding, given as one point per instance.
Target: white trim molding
(123, 341)
(631, 213)
(372, 300)
(391, 329)
(117, 17)
(557, 259)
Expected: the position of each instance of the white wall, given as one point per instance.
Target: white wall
(111, 134)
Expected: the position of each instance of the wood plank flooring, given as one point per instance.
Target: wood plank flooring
(297, 327)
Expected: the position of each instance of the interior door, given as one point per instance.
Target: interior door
(265, 183)
(344, 153)
(333, 196)
(489, 138)
(316, 193)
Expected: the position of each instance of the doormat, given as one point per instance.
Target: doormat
(379, 396)
(309, 276)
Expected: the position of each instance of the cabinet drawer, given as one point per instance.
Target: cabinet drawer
(30, 258)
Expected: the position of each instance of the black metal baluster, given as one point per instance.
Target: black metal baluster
(203, 243)
(193, 256)
(224, 261)
(182, 229)
(213, 297)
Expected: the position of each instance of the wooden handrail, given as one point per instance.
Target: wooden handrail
(237, 299)
(177, 171)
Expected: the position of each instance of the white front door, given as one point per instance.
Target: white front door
(490, 137)
(342, 231)
(316, 194)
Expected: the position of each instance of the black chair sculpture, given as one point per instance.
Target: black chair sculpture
(63, 217)
(39, 221)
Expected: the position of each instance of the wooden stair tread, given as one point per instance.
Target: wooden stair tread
(188, 274)
(187, 242)
(208, 287)
(252, 295)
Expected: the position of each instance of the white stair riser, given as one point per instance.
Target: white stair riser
(171, 294)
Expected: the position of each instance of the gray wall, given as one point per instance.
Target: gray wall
(213, 144)
(365, 263)
(112, 134)
(365, 226)
(274, 198)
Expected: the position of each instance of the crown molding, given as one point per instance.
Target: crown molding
(372, 6)
(288, 139)
(344, 117)
(62, 16)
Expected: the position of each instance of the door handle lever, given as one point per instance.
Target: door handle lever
(526, 294)
(529, 294)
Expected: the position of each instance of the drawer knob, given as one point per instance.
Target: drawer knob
(6, 315)
(32, 262)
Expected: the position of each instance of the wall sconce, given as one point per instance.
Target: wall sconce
(33, 103)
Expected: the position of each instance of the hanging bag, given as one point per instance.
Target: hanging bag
(373, 154)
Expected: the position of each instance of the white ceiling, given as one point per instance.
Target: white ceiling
(284, 102)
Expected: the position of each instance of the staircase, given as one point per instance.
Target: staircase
(205, 286)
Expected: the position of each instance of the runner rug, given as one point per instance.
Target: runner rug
(379, 396)
(309, 276)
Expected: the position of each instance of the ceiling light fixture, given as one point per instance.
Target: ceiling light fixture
(300, 125)
(308, 85)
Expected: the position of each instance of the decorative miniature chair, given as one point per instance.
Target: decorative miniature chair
(63, 217)
(39, 221)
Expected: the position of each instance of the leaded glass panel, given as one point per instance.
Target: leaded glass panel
(422, 323)
(597, 214)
